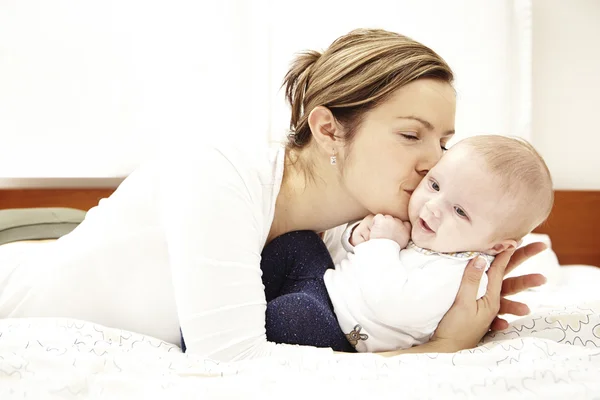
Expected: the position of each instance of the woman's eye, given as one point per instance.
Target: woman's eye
(460, 212)
(435, 186)
(444, 148)
(410, 136)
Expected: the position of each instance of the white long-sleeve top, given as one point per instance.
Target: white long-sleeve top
(385, 298)
(177, 245)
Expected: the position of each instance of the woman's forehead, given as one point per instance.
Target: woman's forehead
(429, 100)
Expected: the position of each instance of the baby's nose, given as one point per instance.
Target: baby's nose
(434, 209)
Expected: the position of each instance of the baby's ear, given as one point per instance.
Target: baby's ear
(501, 246)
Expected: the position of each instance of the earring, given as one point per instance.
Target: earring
(333, 159)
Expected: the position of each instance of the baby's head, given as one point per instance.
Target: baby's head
(485, 194)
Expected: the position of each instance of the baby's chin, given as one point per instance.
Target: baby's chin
(430, 244)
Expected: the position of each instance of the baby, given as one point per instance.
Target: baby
(400, 278)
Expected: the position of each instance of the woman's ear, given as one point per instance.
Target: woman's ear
(325, 129)
(501, 246)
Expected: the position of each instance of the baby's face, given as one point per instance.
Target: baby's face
(458, 206)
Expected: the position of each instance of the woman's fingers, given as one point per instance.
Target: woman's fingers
(519, 283)
(469, 286)
(508, 307)
(513, 307)
(499, 324)
(523, 254)
(496, 274)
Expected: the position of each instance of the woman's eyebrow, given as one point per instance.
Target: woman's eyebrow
(426, 124)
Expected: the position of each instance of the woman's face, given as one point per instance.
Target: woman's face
(396, 144)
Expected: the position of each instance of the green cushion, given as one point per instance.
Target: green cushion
(37, 223)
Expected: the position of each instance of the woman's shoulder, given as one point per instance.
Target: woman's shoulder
(244, 156)
(253, 171)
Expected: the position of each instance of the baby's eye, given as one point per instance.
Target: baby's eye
(460, 212)
(434, 185)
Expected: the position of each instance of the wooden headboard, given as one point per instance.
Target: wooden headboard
(573, 226)
(81, 199)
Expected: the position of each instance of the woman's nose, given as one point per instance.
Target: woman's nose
(429, 158)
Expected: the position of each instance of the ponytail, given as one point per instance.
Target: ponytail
(296, 83)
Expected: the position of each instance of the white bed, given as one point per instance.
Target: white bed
(554, 353)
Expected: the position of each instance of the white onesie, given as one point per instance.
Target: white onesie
(386, 298)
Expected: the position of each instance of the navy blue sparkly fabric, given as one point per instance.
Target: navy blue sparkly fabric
(298, 307)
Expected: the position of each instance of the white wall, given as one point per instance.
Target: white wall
(91, 89)
(566, 90)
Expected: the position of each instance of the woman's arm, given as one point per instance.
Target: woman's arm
(213, 219)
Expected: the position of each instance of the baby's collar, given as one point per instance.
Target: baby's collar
(463, 255)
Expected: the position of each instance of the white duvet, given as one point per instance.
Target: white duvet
(554, 354)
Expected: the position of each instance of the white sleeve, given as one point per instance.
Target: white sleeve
(214, 239)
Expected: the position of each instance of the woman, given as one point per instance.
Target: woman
(179, 243)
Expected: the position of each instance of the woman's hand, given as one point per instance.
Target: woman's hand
(468, 320)
(518, 284)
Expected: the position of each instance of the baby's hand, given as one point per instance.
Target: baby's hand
(362, 231)
(388, 227)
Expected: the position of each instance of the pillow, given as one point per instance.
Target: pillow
(37, 223)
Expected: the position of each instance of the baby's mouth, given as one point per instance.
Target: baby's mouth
(425, 227)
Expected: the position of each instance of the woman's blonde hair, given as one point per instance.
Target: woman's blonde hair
(356, 73)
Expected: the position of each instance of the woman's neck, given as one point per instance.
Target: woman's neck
(314, 202)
